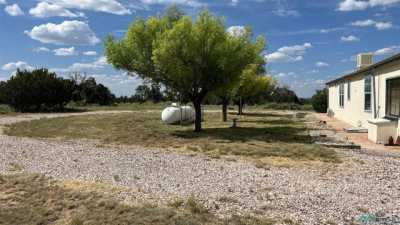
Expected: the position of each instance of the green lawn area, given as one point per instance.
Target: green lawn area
(266, 137)
(34, 199)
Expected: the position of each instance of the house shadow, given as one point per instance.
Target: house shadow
(288, 134)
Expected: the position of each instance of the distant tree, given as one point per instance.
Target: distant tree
(280, 94)
(320, 101)
(188, 57)
(142, 92)
(155, 94)
(252, 84)
(233, 71)
(173, 14)
(92, 93)
(37, 90)
(149, 92)
(78, 77)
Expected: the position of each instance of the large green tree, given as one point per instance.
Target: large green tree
(187, 56)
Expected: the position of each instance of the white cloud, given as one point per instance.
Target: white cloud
(286, 13)
(41, 49)
(65, 51)
(67, 33)
(383, 25)
(236, 30)
(351, 5)
(119, 84)
(3, 2)
(44, 10)
(107, 6)
(100, 63)
(363, 23)
(283, 74)
(17, 65)
(306, 88)
(388, 51)
(191, 3)
(234, 2)
(309, 31)
(314, 71)
(368, 23)
(350, 38)
(350, 59)
(288, 53)
(321, 64)
(90, 53)
(13, 10)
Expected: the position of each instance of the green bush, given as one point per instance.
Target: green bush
(37, 90)
(89, 92)
(320, 101)
(2, 92)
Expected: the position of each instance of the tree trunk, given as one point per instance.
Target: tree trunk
(197, 121)
(240, 108)
(224, 110)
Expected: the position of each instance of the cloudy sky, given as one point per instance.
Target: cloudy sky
(309, 41)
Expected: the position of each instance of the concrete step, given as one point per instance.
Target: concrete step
(339, 145)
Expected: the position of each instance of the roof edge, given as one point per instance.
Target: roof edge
(373, 66)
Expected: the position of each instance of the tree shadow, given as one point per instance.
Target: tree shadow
(270, 122)
(287, 134)
(263, 115)
(52, 110)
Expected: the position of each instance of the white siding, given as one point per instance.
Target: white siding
(353, 110)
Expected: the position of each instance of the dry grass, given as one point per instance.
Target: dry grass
(34, 199)
(5, 109)
(267, 137)
(130, 106)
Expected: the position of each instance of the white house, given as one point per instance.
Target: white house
(369, 97)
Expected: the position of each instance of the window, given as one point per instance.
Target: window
(367, 92)
(341, 95)
(348, 90)
(393, 97)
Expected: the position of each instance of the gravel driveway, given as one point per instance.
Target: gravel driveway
(363, 184)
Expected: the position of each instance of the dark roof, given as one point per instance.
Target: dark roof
(373, 66)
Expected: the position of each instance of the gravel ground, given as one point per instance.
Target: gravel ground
(364, 183)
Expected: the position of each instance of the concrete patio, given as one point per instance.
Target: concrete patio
(357, 138)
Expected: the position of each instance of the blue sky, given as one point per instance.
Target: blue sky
(309, 41)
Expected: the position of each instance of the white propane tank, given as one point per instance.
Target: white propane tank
(175, 114)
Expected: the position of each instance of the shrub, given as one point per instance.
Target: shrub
(320, 101)
(283, 106)
(89, 92)
(2, 92)
(36, 90)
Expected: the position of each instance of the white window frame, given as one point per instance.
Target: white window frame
(366, 92)
(348, 90)
(341, 95)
